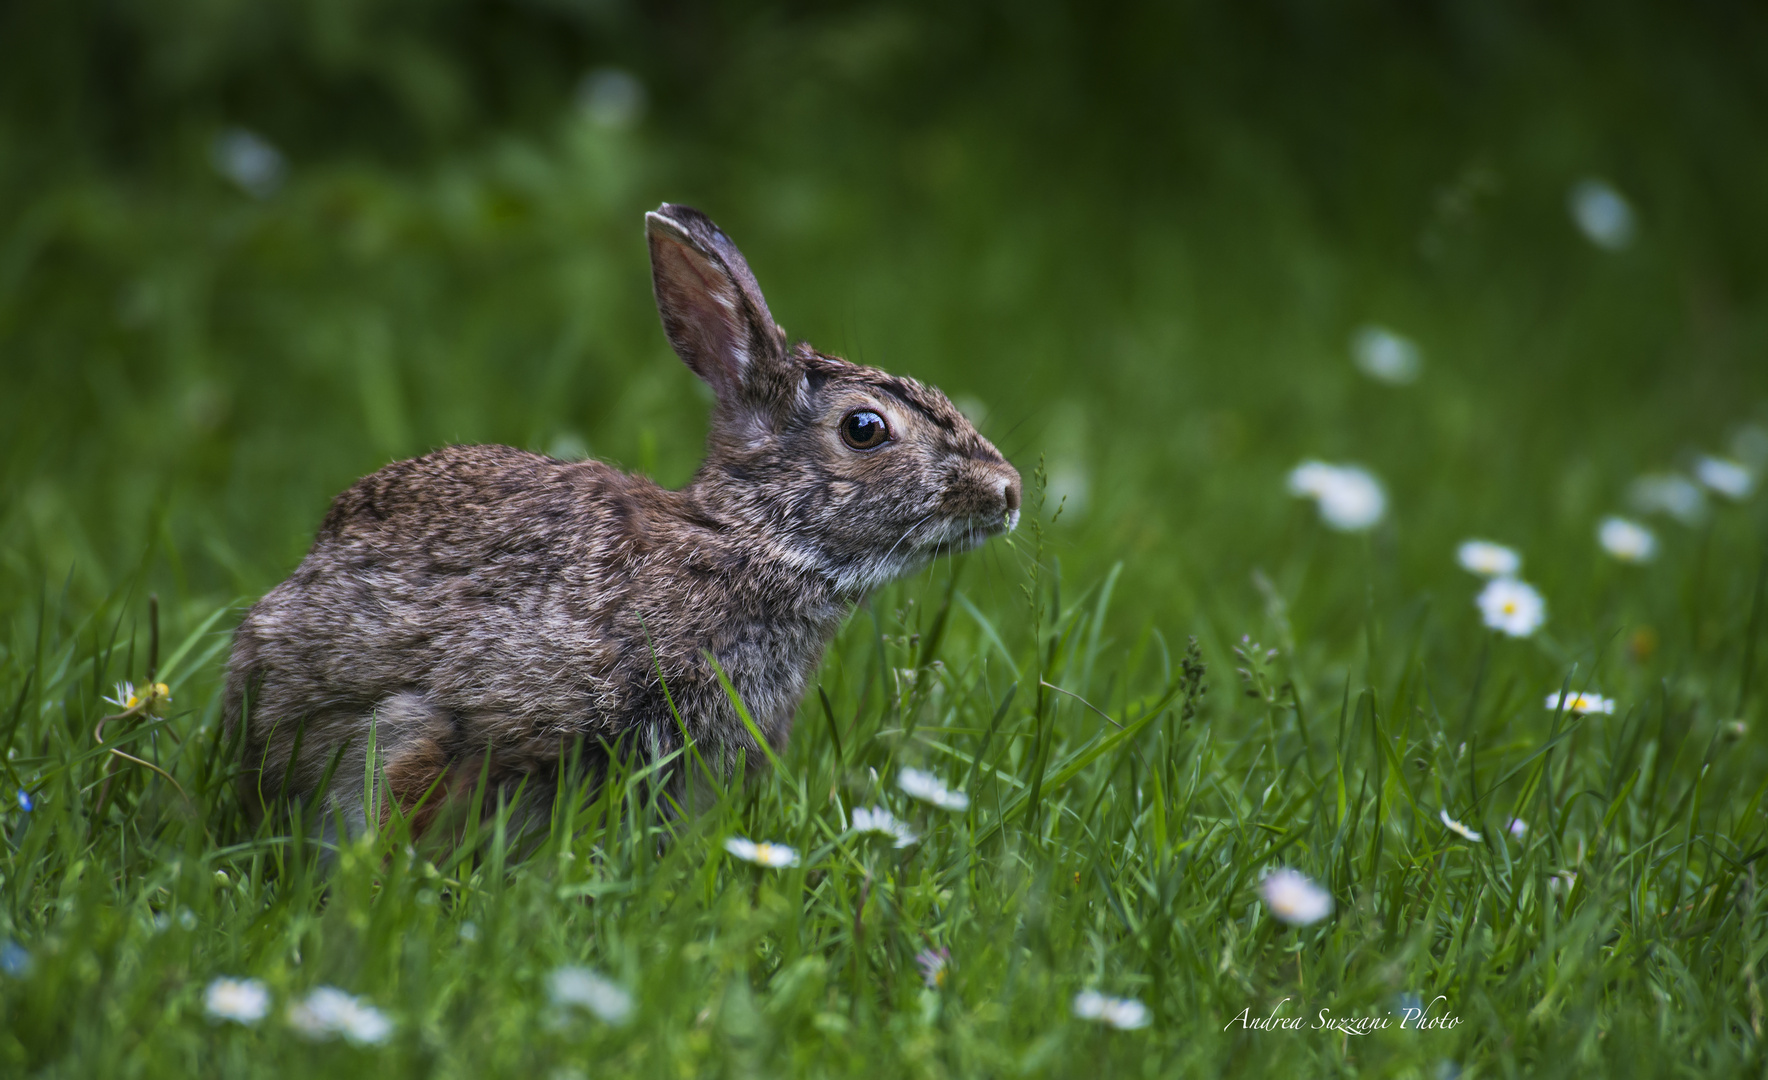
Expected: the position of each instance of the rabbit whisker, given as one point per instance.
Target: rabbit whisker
(905, 536)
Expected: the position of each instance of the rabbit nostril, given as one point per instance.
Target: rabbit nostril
(1010, 492)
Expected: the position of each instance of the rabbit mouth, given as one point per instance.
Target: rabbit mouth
(963, 534)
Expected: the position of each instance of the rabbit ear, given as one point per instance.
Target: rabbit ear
(713, 312)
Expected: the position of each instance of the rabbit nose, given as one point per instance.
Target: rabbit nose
(1010, 492)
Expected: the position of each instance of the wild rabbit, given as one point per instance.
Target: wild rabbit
(486, 608)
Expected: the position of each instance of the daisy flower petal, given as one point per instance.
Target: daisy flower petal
(1384, 355)
(243, 1001)
(1125, 1014)
(1294, 898)
(762, 853)
(586, 989)
(1488, 559)
(1731, 479)
(1457, 828)
(876, 819)
(1582, 704)
(1512, 607)
(918, 784)
(1626, 540)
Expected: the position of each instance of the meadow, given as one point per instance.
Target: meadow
(1506, 264)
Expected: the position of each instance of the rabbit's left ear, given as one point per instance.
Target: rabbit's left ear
(713, 311)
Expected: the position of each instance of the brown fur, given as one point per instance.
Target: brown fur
(485, 607)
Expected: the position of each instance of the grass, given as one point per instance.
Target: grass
(1125, 799)
(1172, 679)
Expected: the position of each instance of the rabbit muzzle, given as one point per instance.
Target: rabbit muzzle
(982, 502)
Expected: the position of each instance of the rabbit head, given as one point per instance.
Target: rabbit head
(860, 474)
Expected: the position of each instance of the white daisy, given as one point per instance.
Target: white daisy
(329, 1012)
(776, 856)
(1582, 704)
(1350, 498)
(1125, 1014)
(1354, 500)
(1488, 559)
(1669, 493)
(1626, 540)
(151, 696)
(590, 990)
(1457, 828)
(928, 788)
(934, 964)
(1294, 898)
(249, 160)
(1729, 478)
(1601, 213)
(1382, 354)
(611, 98)
(1512, 607)
(243, 1001)
(879, 820)
(1310, 478)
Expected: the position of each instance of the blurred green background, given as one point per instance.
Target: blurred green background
(1138, 238)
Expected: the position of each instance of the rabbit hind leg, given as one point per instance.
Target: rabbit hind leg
(411, 741)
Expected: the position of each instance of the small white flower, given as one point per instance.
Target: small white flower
(329, 1012)
(1729, 478)
(1382, 354)
(1518, 827)
(1582, 704)
(928, 788)
(248, 160)
(1353, 502)
(776, 856)
(1669, 493)
(151, 697)
(1350, 498)
(879, 820)
(1125, 1014)
(15, 959)
(611, 98)
(1512, 607)
(1310, 478)
(586, 989)
(1488, 559)
(933, 964)
(1626, 540)
(1294, 898)
(243, 1001)
(1602, 214)
(1457, 828)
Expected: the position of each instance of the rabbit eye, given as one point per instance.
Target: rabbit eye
(864, 430)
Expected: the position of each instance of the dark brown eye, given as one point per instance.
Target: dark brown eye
(864, 430)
